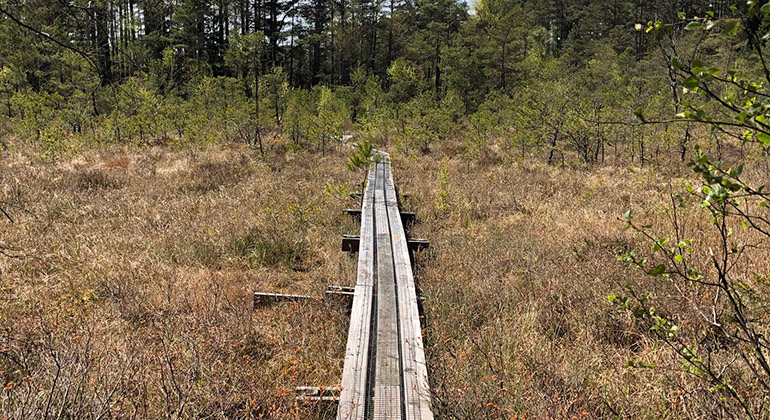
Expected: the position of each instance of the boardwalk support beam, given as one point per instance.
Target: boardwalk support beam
(340, 290)
(262, 299)
(350, 243)
(317, 393)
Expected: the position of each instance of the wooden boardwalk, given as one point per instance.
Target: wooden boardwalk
(385, 375)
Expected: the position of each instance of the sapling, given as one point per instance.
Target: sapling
(363, 158)
(724, 340)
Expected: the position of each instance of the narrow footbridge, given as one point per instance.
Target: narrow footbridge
(385, 375)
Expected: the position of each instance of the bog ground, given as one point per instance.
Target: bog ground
(131, 293)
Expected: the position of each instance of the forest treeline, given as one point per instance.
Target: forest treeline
(551, 77)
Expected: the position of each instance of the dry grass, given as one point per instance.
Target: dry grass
(522, 262)
(133, 297)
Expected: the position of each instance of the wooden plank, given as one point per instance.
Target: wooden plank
(385, 373)
(353, 397)
(317, 392)
(414, 367)
(387, 386)
(263, 299)
(332, 288)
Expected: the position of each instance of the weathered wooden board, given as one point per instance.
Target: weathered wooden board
(385, 374)
(263, 299)
(354, 395)
(414, 368)
(387, 385)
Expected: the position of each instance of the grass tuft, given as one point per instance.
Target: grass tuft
(261, 248)
(95, 179)
(211, 176)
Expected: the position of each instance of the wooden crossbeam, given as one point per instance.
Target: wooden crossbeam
(350, 243)
(317, 393)
(262, 299)
(408, 218)
(355, 213)
(418, 244)
(340, 290)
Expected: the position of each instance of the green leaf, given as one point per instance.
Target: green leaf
(764, 138)
(627, 215)
(658, 270)
(693, 26)
(731, 28)
(691, 82)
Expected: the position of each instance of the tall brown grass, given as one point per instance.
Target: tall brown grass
(132, 294)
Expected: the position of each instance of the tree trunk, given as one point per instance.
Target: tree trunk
(553, 146)
(438, 61)
(331, 47)
(103, 45)
(316, 44)
(684, 144)
(640, 34)
(502, 67)
(276, 106)
(274, 31)
(390, 36)
(257, 67)
(291, 54)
